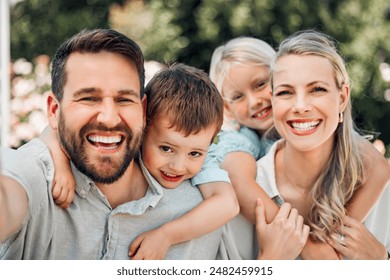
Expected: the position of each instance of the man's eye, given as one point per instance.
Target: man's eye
(89, 99)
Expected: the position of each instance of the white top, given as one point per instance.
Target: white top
(378, 221)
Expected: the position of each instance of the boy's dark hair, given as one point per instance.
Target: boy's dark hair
(95, 41)
(186, 97)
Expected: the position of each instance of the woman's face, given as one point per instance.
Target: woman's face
(247, 96)
(306, 100)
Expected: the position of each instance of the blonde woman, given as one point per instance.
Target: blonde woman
(320, 165)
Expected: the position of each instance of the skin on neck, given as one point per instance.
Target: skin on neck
(131, 186)
(303, 169)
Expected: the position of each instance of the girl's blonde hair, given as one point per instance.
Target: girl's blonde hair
(344, 173)
(240, 50)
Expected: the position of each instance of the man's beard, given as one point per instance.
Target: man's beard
(114, 168)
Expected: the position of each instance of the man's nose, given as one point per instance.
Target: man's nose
(108, 113)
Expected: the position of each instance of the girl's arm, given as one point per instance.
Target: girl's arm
(247, 191)
(63, 181)
(378, 176)
(219, 206)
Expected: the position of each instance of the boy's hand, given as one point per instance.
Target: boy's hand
(284, 237)
(151, 245)
(63, 190)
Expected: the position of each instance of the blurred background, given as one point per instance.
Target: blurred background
(188, 31)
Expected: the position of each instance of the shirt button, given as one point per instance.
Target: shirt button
(82, 193)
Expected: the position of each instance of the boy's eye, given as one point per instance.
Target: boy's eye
(195, 154)
(165, 149)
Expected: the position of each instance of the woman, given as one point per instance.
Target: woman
(320, 164)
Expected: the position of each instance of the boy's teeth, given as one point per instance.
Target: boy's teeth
(169, 174)
(104, 139)
(304, 126)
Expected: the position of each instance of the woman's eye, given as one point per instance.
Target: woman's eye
(282, 92)
(319, 89)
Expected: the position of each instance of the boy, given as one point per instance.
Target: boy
(184, 113)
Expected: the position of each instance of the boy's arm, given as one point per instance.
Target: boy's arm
(219, 206)
(13, 206)
(63, 181)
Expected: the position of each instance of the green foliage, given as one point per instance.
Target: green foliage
(39, 26)
(189, 30)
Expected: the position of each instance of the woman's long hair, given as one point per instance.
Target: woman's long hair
(344, 173)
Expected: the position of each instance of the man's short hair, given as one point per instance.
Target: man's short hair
(95, 41)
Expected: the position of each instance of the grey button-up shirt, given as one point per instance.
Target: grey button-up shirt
(90, 228)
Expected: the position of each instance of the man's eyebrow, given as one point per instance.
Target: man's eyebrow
(82, 91)
(129, 92)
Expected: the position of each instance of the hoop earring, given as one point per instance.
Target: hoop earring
(341, 117)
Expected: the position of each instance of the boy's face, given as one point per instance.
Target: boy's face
(172, 157)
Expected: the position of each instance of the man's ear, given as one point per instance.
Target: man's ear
(53, 110)
(144, 104)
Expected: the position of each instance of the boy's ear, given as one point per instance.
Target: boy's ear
(53, 110)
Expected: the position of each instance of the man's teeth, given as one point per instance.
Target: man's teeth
(304, 126)
(104, 139)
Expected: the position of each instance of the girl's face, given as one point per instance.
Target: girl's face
(306, 100)
(247, 96)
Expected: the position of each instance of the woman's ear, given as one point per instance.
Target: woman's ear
(344, 97)
(53, 110)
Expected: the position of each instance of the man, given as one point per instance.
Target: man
(97, 108)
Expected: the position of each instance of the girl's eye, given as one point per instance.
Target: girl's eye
(195, 154)
(237, 98)
(261, 85)
(165, 149)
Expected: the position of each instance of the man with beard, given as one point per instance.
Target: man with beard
(97, 108)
